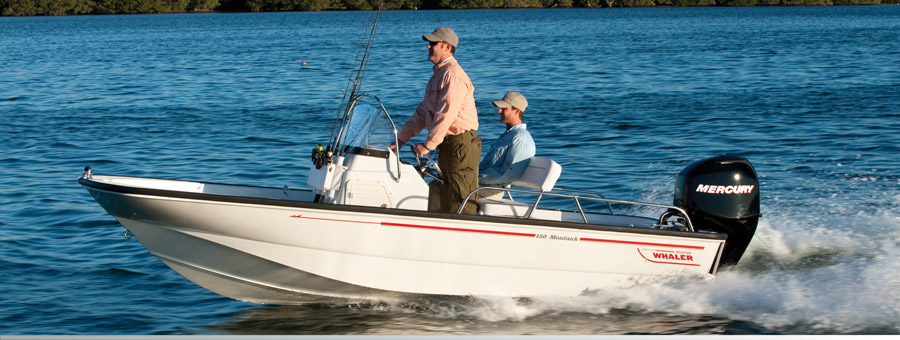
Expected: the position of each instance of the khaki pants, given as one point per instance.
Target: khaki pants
(458, 157)
(495, 195)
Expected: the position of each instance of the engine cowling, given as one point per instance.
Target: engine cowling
(721, 194)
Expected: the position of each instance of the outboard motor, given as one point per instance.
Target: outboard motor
(721, 194)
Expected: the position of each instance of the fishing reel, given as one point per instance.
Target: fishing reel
(320, 156)
(429, 167)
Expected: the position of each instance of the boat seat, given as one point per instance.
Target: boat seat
(541, 174)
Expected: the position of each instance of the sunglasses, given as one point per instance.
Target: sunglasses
(432, 43)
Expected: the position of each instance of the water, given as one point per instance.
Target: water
(622, 98)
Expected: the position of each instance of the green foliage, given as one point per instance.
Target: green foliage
(637, 3)
(74, 7)
(586, 3)
(511, 3)
(859, 2)
(693, 3)
(806, 2)
(201, 5)
(23, 7)
(45, 7)
(454, 4)
(353, 5)
(737, 2)
(232, 6)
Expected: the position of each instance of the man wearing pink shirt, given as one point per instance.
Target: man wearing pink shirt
(448, 112)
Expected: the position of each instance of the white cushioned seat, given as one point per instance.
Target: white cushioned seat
(541, 174)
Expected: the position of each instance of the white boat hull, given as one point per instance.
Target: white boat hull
(274, 246)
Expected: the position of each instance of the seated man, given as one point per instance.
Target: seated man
(511, 152)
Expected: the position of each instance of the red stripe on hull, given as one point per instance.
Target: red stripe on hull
(391, 224)
(456, 229)
(333, 220)
(640, 243)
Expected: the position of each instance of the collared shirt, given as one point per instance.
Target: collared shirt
(508, 158)
(447, 109)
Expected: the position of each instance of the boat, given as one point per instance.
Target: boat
(362, 228)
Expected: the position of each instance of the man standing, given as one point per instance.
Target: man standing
(448, 112)
(510, 154)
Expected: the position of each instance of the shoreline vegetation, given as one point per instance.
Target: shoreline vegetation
(79, 7)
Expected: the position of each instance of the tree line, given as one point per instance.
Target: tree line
(75, 7)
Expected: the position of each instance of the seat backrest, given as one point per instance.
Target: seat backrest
(541, 174)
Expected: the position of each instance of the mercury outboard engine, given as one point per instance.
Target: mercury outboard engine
(721, 194)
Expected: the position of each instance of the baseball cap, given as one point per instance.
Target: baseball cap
(444, 34)
(513, 99)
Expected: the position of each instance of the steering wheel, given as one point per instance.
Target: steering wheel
(429, 167)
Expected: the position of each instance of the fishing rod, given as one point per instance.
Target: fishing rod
(337, 118)
(346, 107)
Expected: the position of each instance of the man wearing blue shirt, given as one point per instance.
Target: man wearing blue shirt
(510, 154)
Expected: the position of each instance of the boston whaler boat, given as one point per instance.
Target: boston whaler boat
(362, 229)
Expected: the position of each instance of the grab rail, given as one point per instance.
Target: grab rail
(608, 205)
(577, 199)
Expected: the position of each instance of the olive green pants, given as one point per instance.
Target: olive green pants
(458, 157)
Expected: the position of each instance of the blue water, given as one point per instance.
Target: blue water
(623, 99)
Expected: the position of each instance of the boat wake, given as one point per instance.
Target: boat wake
(817, 281)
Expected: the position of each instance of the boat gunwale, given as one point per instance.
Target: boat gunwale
(125, 189)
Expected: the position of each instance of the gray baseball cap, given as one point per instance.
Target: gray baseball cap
(444, 34)
(513, 99)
